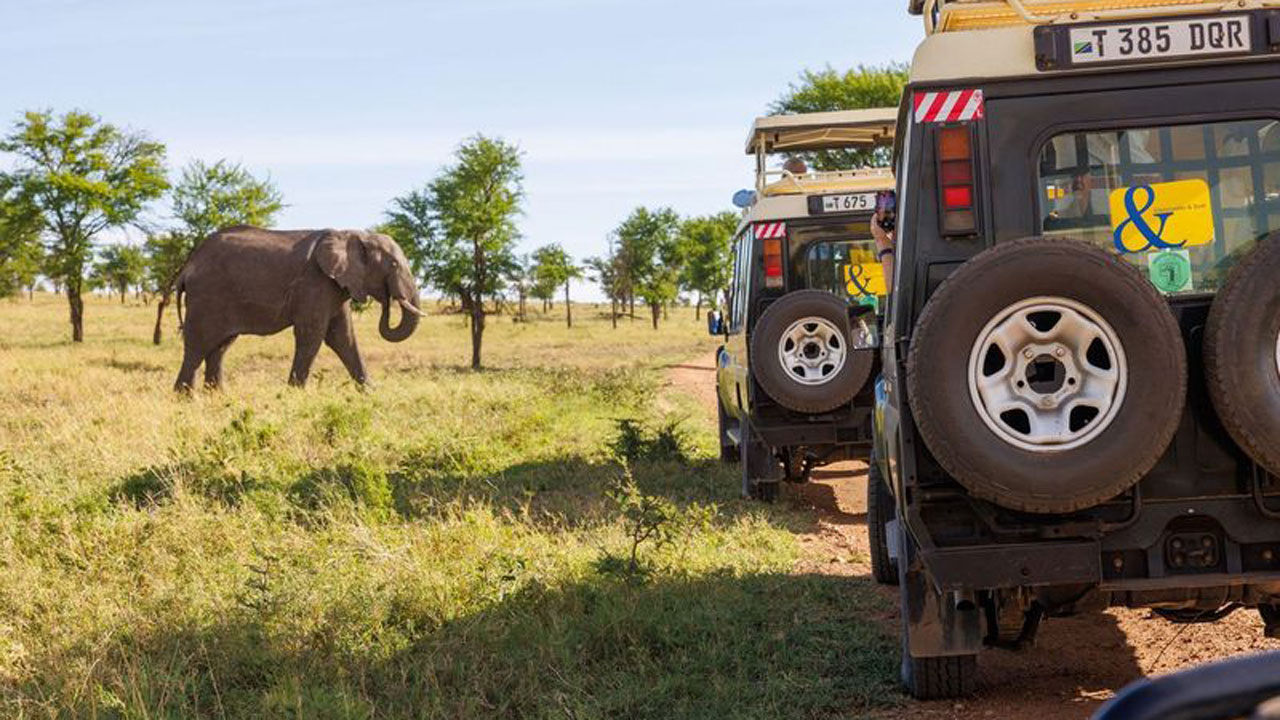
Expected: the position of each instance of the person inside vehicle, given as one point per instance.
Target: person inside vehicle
(795, 166)
(885, 242)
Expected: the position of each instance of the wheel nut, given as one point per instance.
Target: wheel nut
(1028, 353)
(1060, 352)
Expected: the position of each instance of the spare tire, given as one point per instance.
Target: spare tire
(1047, 375)
(1242, 354)
(802, 354)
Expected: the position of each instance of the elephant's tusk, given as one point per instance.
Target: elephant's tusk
(409, 308)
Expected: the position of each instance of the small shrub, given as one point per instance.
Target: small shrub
(653, 521)
(246, 433)
(635, 441)
(344, 421)
(624, 387)
(356, 483)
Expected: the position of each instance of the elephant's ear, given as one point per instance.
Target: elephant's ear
(341, 256)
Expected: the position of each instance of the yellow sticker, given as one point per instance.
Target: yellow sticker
(1161, 216)
(865, 279)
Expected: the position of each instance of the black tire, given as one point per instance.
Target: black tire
(1240, 354)
(766, 366)
(941, 678)
(1077, 476)
(880, 510)
(728, 450)
(765, 491)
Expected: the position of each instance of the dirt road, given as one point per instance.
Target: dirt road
(1077, 662)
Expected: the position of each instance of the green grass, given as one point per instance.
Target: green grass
(449, 544)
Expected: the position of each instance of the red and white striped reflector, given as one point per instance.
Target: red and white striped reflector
(950, 106)
(771, 230)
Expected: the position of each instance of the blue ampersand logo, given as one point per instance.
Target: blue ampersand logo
(1153, 237)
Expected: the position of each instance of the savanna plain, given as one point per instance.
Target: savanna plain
(553, 536)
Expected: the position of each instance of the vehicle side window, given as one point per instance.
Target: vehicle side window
(1181, 202)
(741, 278)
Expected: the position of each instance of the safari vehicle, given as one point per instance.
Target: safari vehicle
(800, 330)
(1242, 687)
(1081, 397)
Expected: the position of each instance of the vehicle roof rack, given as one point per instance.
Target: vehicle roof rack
(823, 131)
(959, 15)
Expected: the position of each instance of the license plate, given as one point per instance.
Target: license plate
(1160, 40)
(854, 202)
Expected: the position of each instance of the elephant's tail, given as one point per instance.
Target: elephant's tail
(178, 292)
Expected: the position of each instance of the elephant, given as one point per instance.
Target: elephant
(250, 281)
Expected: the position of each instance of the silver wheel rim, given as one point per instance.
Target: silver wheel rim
(1048, 374)
(812, 351)
(1278, 354)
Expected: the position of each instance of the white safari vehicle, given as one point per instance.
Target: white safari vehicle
(1081, 359)
(801, 328)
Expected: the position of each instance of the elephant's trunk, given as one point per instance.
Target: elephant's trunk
(409, 316)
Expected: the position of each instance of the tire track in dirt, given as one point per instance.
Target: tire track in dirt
(1078, 662)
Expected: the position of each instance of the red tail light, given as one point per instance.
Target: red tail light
(773, 263)
(956, 180)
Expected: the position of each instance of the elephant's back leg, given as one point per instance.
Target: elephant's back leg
(202, 333)
(191, 359)
(213, 364)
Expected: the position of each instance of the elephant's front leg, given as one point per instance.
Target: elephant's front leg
(342, 338)
(307, 339)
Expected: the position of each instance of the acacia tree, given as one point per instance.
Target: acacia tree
(83, 176)
(605, 272)
(409, 222)
(866, 86)
(706, 244)
(120, 267)
(648, 258)
(21, 257)
(553, 268)
(520, 277)
(469, 240)
(542, 286)
(206, 199)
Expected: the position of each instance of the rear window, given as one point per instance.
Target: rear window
(1182, 202)
(840, 259)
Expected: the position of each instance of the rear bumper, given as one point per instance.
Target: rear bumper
(853, 430)
(1060, 564)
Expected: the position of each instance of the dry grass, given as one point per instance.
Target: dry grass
(440, 546)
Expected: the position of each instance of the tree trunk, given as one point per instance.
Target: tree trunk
(158, 333)
(477, 333)
(697, 308)
(77, 310)
(633, 306)
(613, 312)
(568, 309)
(656, 309)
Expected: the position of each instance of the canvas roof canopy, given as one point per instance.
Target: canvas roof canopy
(823, 131)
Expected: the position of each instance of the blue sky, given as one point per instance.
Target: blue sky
(347, 104)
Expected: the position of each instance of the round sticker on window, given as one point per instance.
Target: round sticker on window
(1171, 271)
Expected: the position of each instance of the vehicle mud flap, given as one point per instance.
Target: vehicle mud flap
(941, 637)
(761, 470)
